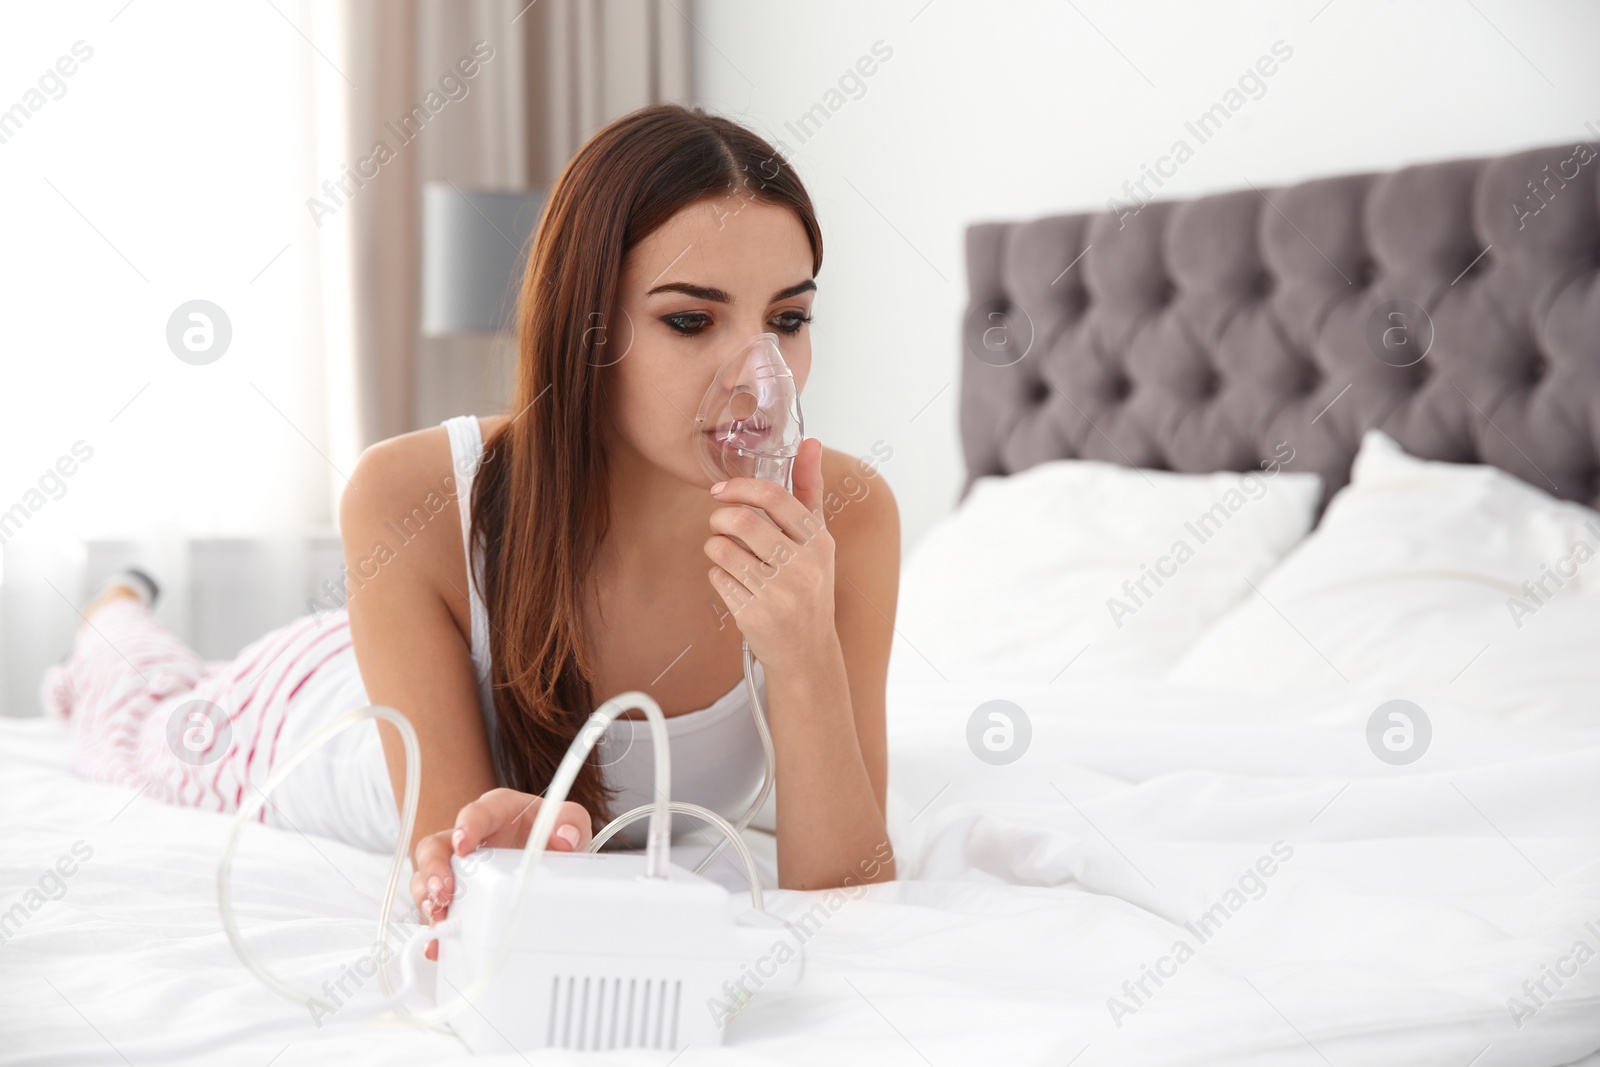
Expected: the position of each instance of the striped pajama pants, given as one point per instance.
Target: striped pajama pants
(143, 709)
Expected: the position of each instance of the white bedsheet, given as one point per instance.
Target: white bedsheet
(1415, 901)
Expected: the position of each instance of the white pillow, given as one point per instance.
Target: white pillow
(1111, 569)
(1455, 580)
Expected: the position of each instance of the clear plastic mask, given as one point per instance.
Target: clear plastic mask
(749, 424)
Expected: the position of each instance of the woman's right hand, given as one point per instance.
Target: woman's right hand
(501, 818)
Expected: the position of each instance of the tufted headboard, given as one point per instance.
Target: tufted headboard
(1455, 306)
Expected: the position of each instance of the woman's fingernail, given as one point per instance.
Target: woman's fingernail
(456, 838)
(435, 885)
(427, 908)
(715, 489)
(569, 834)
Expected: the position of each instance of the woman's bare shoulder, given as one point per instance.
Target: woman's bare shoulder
(857, 505)
(396, 475)
(398, 471)
(399, 512)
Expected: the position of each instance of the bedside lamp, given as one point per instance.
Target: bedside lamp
(473, 255)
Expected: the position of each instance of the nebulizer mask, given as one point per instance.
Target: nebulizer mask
(749, 424)
(633, 949)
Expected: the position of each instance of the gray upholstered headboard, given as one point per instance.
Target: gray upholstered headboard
(1196, 335)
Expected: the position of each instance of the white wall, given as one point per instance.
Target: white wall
(988, 111)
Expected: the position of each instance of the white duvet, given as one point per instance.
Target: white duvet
(1405, 910)
(1170, 872)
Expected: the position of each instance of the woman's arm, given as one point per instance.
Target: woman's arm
(410, 622)
(818, 608)
(410, 650)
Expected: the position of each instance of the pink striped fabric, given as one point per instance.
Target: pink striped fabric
(129, 691)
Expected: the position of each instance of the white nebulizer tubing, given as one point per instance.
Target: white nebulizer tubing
(730, 832)
(657, 857)
(248, 811)
(771, 777)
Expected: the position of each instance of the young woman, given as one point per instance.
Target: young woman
(604, 560)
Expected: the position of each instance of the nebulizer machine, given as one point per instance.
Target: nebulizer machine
(626, 950)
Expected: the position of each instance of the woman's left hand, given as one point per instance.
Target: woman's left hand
(779, 581)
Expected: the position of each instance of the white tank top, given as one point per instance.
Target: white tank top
(717, 758)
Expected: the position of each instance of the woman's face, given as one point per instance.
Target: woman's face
(693, 294)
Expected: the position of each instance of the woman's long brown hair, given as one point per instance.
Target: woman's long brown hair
(539, 503)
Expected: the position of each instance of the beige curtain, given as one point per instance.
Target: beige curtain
(555, 72)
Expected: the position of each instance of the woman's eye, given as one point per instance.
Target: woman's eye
(688, 322)
(791, 321)
(693, 322)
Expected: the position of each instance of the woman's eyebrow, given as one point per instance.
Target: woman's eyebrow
(721, 296)
(809, 285)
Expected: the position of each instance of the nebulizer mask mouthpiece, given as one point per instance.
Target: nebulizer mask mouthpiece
(749, 424)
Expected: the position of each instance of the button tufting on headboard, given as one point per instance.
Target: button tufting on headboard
(1439, 303)
(1537, 368)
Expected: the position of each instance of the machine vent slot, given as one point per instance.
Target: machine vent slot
(595, 1012)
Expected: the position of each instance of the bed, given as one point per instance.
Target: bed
(1314, 790)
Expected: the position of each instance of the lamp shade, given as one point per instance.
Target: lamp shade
(473, 254)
